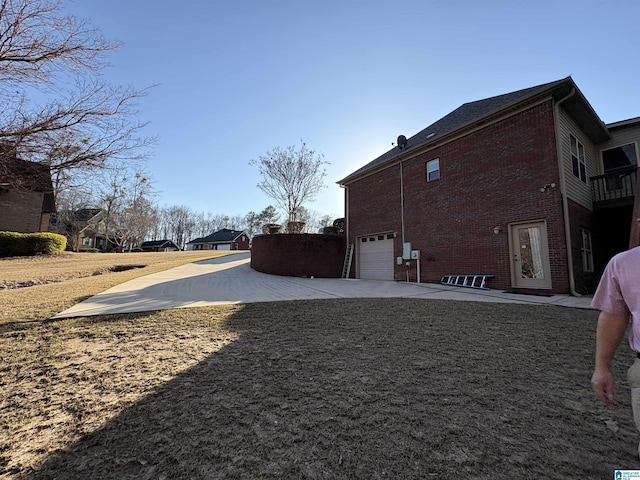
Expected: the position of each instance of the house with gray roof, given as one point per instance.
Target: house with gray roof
(84, 229)
(224, 239)
(530, 189)
(159, 246)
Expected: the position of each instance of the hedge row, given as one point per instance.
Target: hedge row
(13, 244)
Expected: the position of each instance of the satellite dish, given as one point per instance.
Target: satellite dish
(402, 142)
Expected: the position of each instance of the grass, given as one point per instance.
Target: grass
(60, 281)
(323, 389)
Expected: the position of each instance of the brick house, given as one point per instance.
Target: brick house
(84, 229)
(530, 187)
(224, 239)
(26, 195)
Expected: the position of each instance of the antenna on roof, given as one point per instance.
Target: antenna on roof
(402, 142)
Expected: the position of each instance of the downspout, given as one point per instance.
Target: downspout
(402, 202)
(563, 192)
(346, 211)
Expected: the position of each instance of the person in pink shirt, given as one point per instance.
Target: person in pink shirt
(618, 299)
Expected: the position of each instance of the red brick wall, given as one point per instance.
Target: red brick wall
(298, 255)
(240, 244)
(489, 178)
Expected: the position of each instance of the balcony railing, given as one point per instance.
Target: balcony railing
(615, 188)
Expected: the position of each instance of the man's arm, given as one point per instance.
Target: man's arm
(609, 333)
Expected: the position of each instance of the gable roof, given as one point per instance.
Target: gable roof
(631, 122)
(472, 114)
(86, 214)
(158, 243)
(221, 236)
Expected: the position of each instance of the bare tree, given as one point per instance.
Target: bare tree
(325, 221)
(83, 122)
(291, 177)
(252, 223)
(179, 223)
(111, 198)
(138, 215)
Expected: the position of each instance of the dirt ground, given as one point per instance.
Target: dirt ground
(330, 389)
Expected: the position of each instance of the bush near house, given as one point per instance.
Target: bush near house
(14, 244)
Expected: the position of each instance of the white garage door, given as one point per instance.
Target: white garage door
(224, 246)
(376, 257)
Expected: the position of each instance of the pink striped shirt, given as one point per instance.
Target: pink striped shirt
(619, 291)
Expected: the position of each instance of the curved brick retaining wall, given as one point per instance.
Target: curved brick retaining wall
(298, 255)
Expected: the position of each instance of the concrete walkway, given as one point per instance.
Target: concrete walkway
(230, 279)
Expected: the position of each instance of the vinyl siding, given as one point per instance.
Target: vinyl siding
(577, 190)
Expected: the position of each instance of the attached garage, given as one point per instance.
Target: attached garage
(375, 257)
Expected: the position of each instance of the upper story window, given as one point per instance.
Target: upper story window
(577, 159)
(433, 170)
(618, 158)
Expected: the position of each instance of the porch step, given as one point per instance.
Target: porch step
(469, 281)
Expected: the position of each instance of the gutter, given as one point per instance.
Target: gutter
(563, 192)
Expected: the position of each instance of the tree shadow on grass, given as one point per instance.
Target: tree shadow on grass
(389, 388)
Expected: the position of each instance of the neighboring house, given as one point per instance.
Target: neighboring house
(159, 246)
(26, 195)
(224, 239)
(84, 229)
(530, 187)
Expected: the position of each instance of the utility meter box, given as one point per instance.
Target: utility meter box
(415, 254)
(399, 260)
(406, 250)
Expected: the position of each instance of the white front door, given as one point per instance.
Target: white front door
(530, 255)
(375, 255)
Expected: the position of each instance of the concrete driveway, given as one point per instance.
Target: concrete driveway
(230, 279)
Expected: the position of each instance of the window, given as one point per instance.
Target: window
(577, 159)
(433, 170)
(86, 241)
(619, 157)
(619, 164)
(587, 251)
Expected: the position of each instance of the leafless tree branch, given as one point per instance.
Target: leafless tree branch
(55, 108)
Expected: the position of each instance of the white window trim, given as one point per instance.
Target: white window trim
(586, 250)
(435, 161)
(581, 161)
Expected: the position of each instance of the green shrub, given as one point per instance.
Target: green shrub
(14, 244)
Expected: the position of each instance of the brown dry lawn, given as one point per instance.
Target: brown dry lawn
(326, 389)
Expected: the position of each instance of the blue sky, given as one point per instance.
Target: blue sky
(234, 79)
